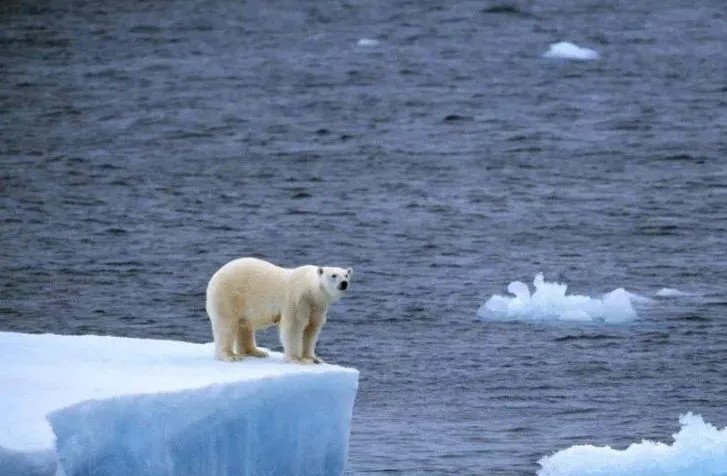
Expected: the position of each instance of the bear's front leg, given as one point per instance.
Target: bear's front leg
(291, 336)
(310, 337)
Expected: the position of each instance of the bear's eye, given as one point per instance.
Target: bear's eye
(334, 276)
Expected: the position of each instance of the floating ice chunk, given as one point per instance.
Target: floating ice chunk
(577, 316)
(566, 50)
(368, 42)
(520, 290)
(671, 292)
(110, 406)
(617, 307)
(698, 449)
(639, 299)
(549, 301)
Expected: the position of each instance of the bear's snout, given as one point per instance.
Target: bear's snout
(343, 285)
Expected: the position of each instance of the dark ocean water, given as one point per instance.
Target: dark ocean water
(144, 144)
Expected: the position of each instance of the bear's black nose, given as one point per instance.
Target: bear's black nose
(343, 285)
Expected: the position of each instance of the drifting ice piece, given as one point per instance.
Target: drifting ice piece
(550, 302)
(699, 449)
(566, 50)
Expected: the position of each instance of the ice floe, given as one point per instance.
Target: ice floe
(549, 301)
(112, 406)
(699, 449)
(566, 50)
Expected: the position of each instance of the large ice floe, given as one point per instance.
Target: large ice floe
(566, 50)
(699, 449)
(550, 302)
(110, 406)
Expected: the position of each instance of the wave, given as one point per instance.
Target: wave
(550, 302)
(698, 449)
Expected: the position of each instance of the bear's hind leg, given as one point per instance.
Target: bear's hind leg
(245, 343)
(224, 329)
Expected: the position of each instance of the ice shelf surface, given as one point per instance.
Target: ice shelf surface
(95, 405)
(699, 449)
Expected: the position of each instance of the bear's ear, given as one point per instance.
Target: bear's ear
(349, 271)
(320, 271)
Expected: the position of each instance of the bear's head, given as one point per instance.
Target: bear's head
(334, 281)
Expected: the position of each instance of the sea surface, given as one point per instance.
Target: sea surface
(145, 144)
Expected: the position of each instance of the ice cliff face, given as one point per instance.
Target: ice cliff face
(89, 405)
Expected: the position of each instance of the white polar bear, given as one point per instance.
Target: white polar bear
(248, 294)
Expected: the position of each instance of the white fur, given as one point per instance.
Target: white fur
(248, 294)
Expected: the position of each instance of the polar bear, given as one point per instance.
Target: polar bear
(248, 294)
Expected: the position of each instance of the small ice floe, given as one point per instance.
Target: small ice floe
(566, 50)
(671, 292)
(550, 302)
(368, 42)
(698, 449)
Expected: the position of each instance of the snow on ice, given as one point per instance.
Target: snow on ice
(108, 406)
